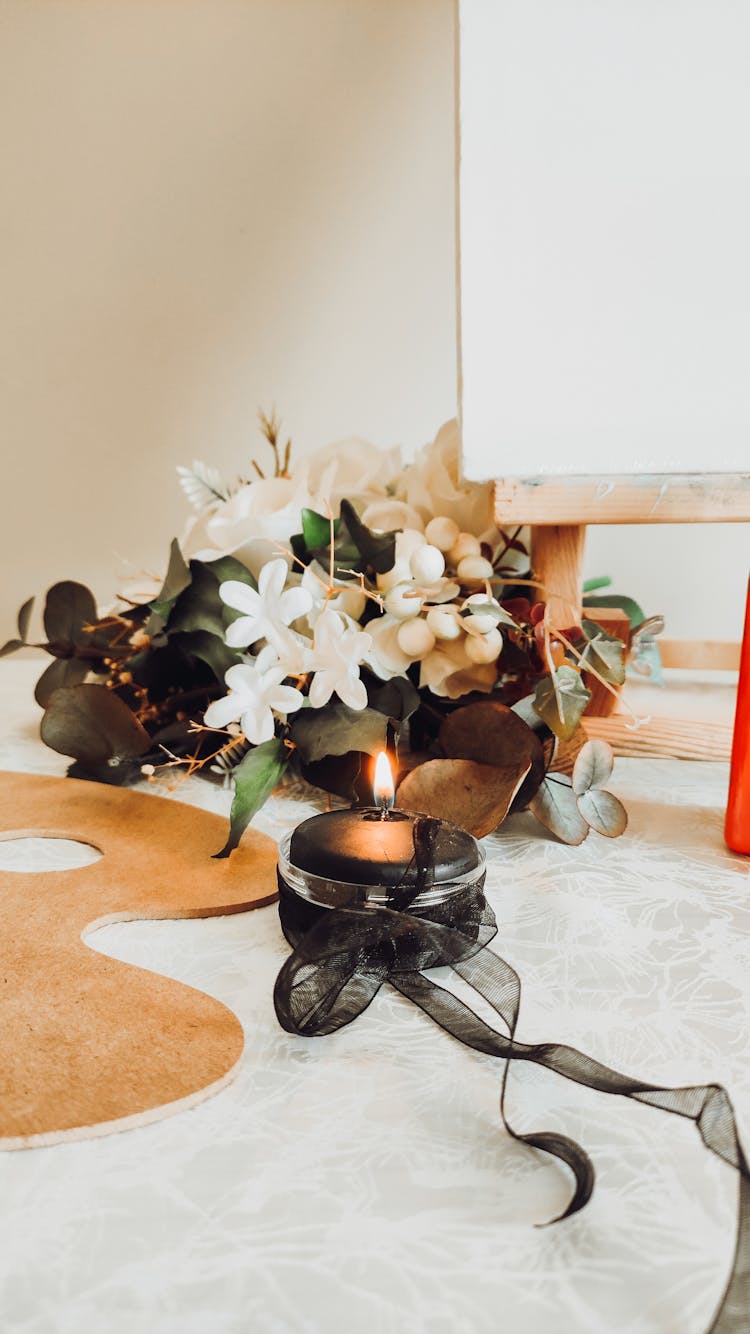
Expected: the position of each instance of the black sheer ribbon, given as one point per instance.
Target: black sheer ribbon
(343, 956)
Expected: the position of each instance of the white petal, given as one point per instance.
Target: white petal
(240, 596)
(267, 658)
(241, 677)
(352, 691)
(286, 699)
(245, 630)
(272, 579)
(321, 688)
(223, 711)
(354, 646)
(257, 724)
(328, 631)
(293, 603)
(293, 650)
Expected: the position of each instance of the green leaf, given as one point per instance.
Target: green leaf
(397, 698)
(336, 729)
(605, 653)
(555, 806)
(631, 608)
(594, 764)
(24, 616)
(177, 579)
(604, 812)
(378, 550)
(61, 672)
(68, 608)
(573, 698)
(209, 648)
(228, 567)
(316, 529)
(199, 606)
(93, 725)
(255, 778)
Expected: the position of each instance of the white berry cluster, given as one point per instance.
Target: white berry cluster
(439, 604)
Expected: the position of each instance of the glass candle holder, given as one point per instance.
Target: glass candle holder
(351, 858)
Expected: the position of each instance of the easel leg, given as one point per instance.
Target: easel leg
(557, 561)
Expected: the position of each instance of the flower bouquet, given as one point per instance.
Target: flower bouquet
(312, 617)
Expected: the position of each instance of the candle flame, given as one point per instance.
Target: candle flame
(383, 786)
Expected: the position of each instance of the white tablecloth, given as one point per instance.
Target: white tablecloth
(363, 1181)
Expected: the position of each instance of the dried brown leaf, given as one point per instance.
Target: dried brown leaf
(475, 796)
(491, 733)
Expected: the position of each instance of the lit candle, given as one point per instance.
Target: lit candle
(359, 855)
(737, 827)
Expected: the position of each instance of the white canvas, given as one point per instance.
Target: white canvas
(604, 236)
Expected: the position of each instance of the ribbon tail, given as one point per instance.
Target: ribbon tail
(500, 986)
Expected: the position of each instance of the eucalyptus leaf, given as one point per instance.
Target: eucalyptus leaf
(378, 550)
(573, 698)
(604, 812)
(177, 579)
(255, 778)
(11, 646)
(593, 767)
(24, 616)
(648, 629)
(68, 608)
(93, 725)
(492, 609)
(60, 672)
(555, 806)
(336, 729)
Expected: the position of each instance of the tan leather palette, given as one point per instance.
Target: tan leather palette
(88, 1044)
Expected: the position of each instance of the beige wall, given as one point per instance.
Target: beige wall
(209, 206)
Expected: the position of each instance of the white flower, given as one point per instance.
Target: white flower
(266, 612)
(252, 525)
(293, 650)
(432, 485)
(448, 671)
(348, 469)
(338, 650)
(387, 514)
(255, 691)
(386, 657)
(347, 599)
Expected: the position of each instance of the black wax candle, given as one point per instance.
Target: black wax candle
(360, 847)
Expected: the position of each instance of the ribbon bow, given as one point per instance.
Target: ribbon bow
(341, 957)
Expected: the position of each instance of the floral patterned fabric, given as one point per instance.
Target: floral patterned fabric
(363, 1181)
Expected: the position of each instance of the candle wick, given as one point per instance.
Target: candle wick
(384, 812)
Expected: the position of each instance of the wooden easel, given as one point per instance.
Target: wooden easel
(559, 509)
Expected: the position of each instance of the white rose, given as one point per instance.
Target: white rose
(349, 469)
(432, 485)
(252, 525)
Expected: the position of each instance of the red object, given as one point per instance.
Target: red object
(737, 827)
